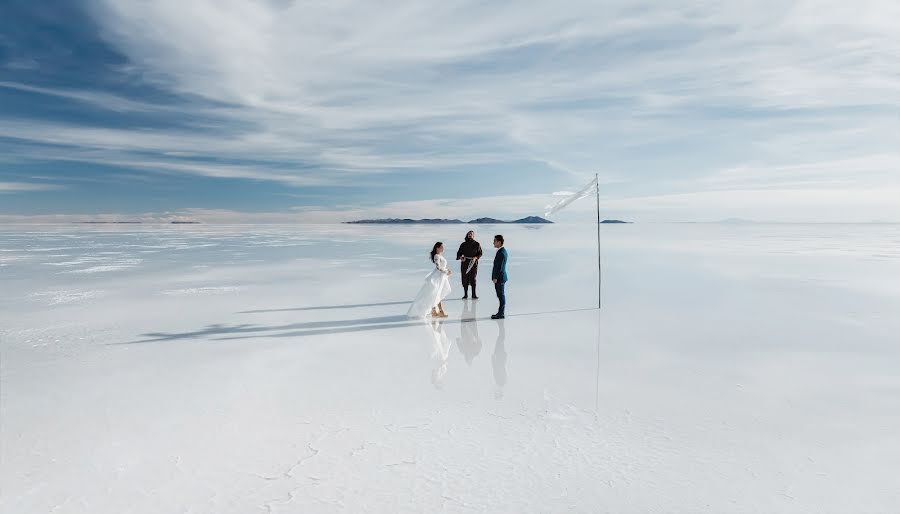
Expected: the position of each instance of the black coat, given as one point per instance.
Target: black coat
(469, 248)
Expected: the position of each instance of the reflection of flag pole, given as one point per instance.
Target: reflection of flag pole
(597, 376)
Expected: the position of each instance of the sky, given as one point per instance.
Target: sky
(294, 111)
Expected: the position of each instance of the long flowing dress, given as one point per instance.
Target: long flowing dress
(434, 290)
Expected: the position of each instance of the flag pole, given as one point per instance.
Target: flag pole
(599, 269)
(599, 297)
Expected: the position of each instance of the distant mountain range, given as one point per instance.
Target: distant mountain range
(136, 222)
(530, 220)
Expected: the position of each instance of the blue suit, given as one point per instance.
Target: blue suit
(499, 274)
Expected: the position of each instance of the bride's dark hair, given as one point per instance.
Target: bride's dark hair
(434, 250)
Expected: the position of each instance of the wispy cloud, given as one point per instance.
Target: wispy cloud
(503, 207)
(693, 100)
(95, 99)
(22, 187)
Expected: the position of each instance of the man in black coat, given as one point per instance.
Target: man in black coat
(469, 253)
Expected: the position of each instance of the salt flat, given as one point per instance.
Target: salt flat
(240, 369)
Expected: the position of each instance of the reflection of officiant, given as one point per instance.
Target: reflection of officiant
(468, 254)
(469, 341)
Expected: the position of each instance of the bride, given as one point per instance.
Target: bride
(435, 288)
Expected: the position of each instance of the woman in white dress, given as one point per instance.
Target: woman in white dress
(435, 288)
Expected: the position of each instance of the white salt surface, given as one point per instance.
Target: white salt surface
(271, 370)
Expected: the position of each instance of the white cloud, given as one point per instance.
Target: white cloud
(842, 174)
(698, 100)
(94, 98)
(22, 187)
(504, 207)
(807, 205)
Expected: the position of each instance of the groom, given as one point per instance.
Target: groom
(499, 276)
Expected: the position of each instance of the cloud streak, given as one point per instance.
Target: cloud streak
(694, 99)
(23, 187)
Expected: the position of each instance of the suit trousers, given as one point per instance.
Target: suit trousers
(500, 287)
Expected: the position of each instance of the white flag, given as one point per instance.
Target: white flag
(587, 190)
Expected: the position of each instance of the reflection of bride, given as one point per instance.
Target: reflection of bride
(435, 288)
(440, 353)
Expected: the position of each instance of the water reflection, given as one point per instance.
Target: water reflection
(469, 342)
(440, 353)
(498, 359)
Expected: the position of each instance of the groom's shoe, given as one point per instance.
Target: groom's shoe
(498, 316)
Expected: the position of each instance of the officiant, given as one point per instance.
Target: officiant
(468, 255)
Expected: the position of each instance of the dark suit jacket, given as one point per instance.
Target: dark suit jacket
(499, 273)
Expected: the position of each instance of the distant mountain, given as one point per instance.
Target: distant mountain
(135, 222)
(614, 221)
(533, 220)
(530, 220)
(108, 222)
(405, 221)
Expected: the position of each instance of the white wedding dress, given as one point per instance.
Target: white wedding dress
(434, 290)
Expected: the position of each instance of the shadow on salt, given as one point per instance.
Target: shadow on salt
(245, 331)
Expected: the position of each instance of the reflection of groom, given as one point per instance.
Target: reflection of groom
(499, 360)
(469, 253)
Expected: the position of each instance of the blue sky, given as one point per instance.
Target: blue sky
(220, 110)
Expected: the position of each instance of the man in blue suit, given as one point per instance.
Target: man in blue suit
(499, 275)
